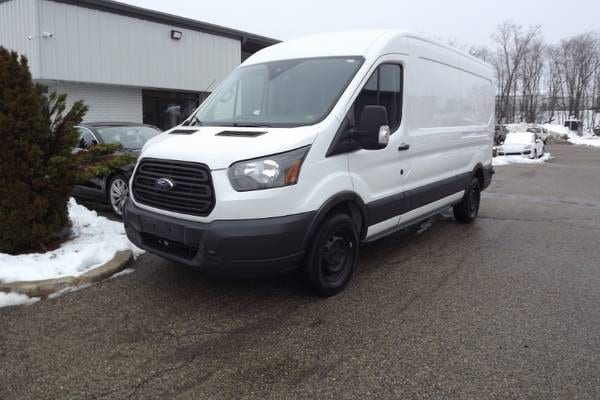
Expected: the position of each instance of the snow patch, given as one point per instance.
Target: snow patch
(72, 289)
(95, 240)
(593, 141)
(586, 140)
(126, 271)
(15, 299)
(507, 160)
(556, 129)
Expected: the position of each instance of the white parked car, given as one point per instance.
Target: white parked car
(526, 144)
(312, 147)
(531, 128)
(541, 132)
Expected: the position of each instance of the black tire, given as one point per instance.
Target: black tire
(115, 184)
(467, 210)
(332, 255)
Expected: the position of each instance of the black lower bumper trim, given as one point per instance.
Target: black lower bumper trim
(268, 245)
(488, 173)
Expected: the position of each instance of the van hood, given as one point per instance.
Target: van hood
(219, 147)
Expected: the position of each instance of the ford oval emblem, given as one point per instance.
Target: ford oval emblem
(163, 184)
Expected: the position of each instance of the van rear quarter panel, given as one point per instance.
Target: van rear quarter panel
(450, 107)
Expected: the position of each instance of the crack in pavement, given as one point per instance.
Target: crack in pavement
(162, 372)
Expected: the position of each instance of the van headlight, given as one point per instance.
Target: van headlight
(528, 147)
(267, 172)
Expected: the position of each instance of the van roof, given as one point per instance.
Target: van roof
(346, 43)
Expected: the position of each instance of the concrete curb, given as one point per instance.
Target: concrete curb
(45, 288)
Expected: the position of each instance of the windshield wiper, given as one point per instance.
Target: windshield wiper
(196, 122)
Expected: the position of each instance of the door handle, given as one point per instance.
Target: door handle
(404, 147)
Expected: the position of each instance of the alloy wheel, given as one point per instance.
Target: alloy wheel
(118, 193)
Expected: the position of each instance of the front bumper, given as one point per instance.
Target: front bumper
(488, 173)
(253, 246)
(525, 153)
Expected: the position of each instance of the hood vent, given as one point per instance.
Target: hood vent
(241, 134)
(183, 131)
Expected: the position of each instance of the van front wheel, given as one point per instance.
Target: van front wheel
(332, 255)
(466, 211)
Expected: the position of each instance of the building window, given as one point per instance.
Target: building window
(168, 109)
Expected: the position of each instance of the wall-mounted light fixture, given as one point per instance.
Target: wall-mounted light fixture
(176, 35)
(44, 35)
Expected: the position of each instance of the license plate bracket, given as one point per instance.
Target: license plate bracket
(164, 229)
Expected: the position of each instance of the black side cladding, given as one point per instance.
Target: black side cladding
(401, 203)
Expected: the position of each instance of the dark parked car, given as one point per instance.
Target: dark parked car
(575, 126)
(112, 189)
(500, 132)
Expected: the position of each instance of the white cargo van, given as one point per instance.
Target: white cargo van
(312, 147)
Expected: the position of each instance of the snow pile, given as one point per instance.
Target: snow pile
(557, 130)
(507, 160)
(14, 299)
(586, 140)
(593, 141)
(95, 240)
(519, 127)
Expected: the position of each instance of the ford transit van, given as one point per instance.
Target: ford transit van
(313, 147)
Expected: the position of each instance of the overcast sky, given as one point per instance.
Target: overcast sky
(464, 21)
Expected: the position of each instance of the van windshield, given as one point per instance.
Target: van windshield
(284, 93)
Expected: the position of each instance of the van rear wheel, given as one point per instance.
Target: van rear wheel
(467, 210)
(332, 255)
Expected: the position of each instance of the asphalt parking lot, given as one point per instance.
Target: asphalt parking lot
(507, 308)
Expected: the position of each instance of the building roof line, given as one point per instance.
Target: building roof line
(170, 19)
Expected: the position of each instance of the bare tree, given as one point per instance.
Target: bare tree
(553, 79)
(596, 95)
(533, 77)
(512, 46)
(532, 69)
(579, 58)
(482, 52)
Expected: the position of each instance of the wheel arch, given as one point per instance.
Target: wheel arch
(479, 174)
(348, 202)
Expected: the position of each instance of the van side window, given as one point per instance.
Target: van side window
(383, 88)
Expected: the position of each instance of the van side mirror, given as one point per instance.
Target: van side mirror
(373, 128)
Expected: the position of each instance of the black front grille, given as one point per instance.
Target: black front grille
(192, 192)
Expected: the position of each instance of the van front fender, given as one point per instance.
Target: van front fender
(347, 201)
